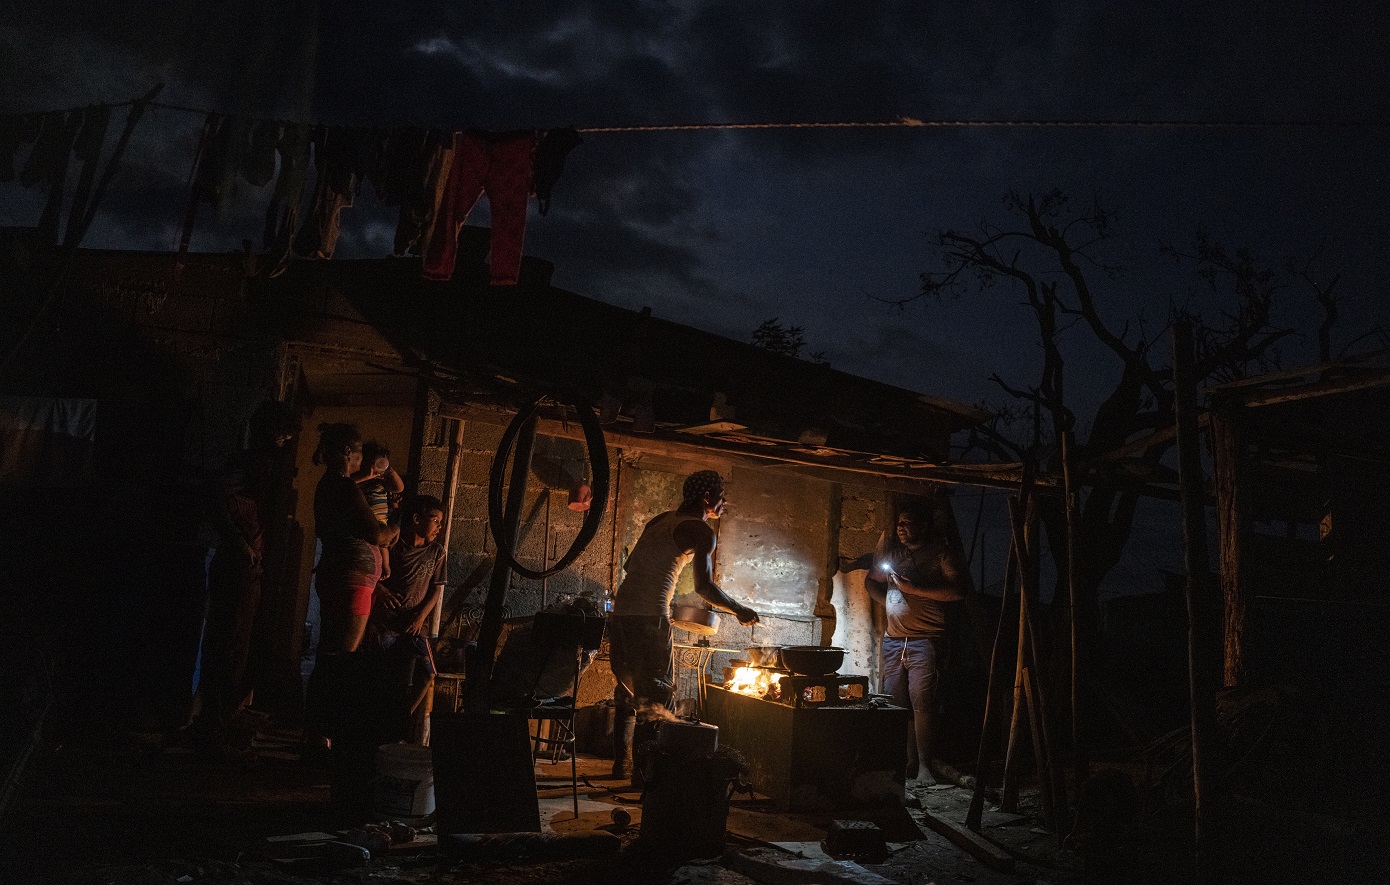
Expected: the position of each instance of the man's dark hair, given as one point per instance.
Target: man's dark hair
(922, 512)
(420, 504)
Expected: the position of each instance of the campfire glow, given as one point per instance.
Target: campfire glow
(753, 680)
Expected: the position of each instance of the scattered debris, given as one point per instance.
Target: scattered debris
(475, 847)
(776, 867)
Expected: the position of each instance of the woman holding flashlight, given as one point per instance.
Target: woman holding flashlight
(917, 572)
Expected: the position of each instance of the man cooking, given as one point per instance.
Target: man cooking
(639, 631)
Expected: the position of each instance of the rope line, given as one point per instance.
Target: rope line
(913, 123)
(900, 123)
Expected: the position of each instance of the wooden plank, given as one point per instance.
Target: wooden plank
(915, 477)
(1314, 391)
(1231, 527)
(977, 846)
(1202, 699)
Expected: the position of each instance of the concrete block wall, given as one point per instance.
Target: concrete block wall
(557, 464)
(780, 542)
(863, 516)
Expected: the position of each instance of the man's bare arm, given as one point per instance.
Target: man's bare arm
(950, 593)
(700, 538)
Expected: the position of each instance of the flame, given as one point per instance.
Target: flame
(753, 681)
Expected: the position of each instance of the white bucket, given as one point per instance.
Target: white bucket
(404, 786)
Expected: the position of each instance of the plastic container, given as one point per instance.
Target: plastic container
(404, 786)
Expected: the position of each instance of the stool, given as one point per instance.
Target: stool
(448, 692)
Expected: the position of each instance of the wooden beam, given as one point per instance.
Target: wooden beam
(1231, 517)
(978, 846)
(1202, 708)
(1302, 371)
(451, 475)
(916, 478)
(1314, 391)
(418, 422)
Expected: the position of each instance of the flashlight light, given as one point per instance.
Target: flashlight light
(886, 566)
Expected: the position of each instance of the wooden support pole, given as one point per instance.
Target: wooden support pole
(1013, 755)
(1081, 762)
(490, 630)
(419, 420)
(1008, 793)
(1050, 777)
(1202, 700)
(1037, 729)
(451, 478)
(1227, 449)
(974, 816)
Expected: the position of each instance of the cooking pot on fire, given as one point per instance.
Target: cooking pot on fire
(681, 737)
(765, 656)
(695, 618)
(813, 660)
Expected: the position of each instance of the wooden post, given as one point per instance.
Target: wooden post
(1203, 703)
(1050, 777)
(1231, 524)
(420, 420)
(1050, 789)
(1037, 731)
(1012, 755)
(451, 478)
(974, 816)
(1081, 762)
(490, 630)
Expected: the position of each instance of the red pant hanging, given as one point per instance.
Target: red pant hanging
(499, 165)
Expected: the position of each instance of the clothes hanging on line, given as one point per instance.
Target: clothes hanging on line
(400, 175)
(258, 161)
(221, 163)
(197, 180)
(87, 150)
(418, 213)
(47, 165)
(16, 130)
(500, 165)
(341, 157)
(550, 162)
(282, 213)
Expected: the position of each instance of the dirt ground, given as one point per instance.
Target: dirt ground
(134, 810)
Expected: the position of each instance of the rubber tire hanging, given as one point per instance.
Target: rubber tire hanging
(597, 456)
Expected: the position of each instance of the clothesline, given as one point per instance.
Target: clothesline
(900, 123)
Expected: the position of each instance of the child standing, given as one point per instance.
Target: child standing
(382, 486)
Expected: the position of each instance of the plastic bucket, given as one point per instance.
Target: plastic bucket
(404, 786)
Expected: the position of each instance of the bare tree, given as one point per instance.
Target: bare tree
(1053, 254)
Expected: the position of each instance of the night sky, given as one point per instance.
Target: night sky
(725, 229)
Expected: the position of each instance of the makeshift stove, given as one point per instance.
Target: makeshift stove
(779, 685)
(812, 743)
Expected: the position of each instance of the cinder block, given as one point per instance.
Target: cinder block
(856, 838)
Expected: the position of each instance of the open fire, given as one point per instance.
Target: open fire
(756, 681)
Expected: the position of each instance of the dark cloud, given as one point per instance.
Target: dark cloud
(725, 229)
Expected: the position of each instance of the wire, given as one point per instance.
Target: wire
(899, 123)
(912, 123)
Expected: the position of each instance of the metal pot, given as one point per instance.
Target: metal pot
(681, 737)
(695, 618)
(813, 660)
(765, 656)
